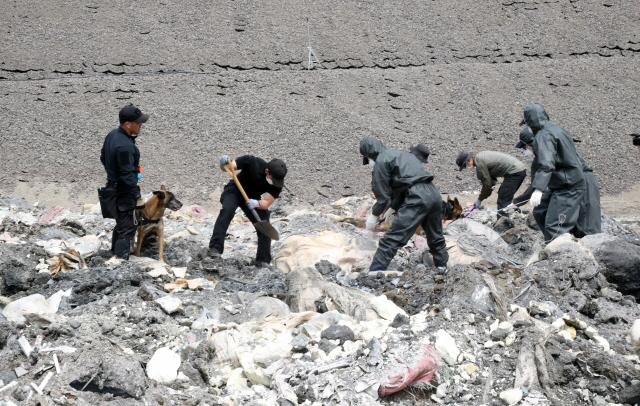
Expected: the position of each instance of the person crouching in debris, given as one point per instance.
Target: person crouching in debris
(263, 184)
(556, 211)
(121, 158)
(636, 140)
(490, 166)
(398, 173)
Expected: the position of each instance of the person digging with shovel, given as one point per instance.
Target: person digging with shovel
(254, 190)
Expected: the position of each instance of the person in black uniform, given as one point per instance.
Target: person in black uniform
(262, 183)
(121, 158)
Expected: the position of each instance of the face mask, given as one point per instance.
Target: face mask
(269, 181)
(372, 163)
(528, 152)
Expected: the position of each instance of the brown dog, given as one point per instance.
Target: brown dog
(154, 213)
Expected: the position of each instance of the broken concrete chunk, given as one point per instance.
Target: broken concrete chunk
(192, 230)
(337, 332)
(170, 304)
(574, 321)
(386, 308)
(601, 341)
(150, 292)
(512, 396)
(539, 308)
(163, 366)
(446, 347)
(299, 343)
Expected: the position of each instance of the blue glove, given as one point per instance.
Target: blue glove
(252, 204)
(224, 160)
(477, 204)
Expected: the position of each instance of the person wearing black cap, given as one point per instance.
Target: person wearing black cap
(121, 158)
(400, 173)
(263, 183)
(490, 166)
(560, 170)
(526, 143)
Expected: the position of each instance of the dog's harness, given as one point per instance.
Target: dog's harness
(142, 220)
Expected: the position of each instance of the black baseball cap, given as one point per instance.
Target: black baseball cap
(278, 170)
(462, 159)
(526, 138)
(132, 113)
(421, 152)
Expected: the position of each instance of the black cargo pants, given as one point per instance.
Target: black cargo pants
(508, 188)
(125, 229)
(231, 199)
(422, 206)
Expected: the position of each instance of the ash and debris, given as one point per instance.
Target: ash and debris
(512, 322)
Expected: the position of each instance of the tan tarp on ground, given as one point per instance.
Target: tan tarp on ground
(332, 246)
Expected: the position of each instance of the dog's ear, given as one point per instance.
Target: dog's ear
(162, 187)
(455, 202)
(160, 194)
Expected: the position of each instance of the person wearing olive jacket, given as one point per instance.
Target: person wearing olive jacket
(398, 173)
(559, 169)
(490, 166)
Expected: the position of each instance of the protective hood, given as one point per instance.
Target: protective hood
(535, 116)
(371, 148)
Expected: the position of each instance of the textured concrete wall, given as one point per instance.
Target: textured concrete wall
(229, 77)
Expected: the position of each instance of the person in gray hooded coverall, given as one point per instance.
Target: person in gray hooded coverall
(589, 219)
(397, 173)
(557, 210)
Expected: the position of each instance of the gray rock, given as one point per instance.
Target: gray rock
(399, 320)
(630, 395)
(169, 304)
(499, 334)
(75, 323)
(21, 393)
(326, 345)
(620, 260)
(299, 343)
(149, 292)
(115, 372)
(17, 275)
(503, 224)
(336, 332)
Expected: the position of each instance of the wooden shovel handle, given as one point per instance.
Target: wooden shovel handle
(232, 172)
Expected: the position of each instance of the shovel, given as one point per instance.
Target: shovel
(261, 225)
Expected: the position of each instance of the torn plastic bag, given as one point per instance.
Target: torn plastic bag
(417, 370)
(305, 287)
(469, 242)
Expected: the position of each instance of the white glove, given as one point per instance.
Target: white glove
(252, 204)
(371, 222)
(535, 198)
(389, 214)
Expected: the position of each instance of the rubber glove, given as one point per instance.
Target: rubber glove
(390, 214)
(225, 159)
(477, 204)
(252, 204)
(371, 222)
(140, 204)
(536, 197)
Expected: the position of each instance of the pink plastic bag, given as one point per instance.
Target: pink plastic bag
(418, 369)
(51, 214)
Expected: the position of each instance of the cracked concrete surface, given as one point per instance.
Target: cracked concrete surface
(221, 77)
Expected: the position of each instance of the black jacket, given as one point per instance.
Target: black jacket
(394, 172)
(558, 164)
(121, 158)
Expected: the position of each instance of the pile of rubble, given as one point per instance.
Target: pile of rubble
(512, 322)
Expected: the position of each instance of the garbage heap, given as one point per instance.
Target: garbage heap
(512, 322)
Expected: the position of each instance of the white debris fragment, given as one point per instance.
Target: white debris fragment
(386, 308)
(539, 308)
(512, 396)
(163, 366)
(574, 321)
(634, 334)
(446, 347)
(169, 304)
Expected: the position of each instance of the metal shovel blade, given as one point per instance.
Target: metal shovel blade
(265, 227)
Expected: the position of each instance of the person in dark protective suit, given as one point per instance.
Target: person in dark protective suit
(559, 169)
(590, 218)
(263, 183)
(121, 159)
(397, 173)
(526, 143)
